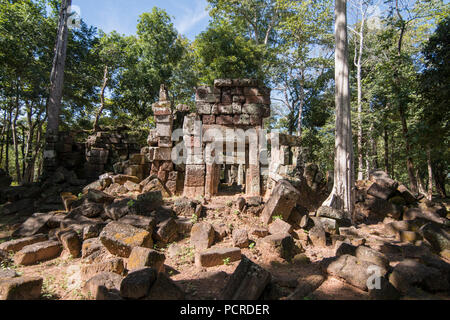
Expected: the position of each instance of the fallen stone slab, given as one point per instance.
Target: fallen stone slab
(185, 225)
(283, 199)
(19, 244)
(144, 257)
(152, 183)
(98, 196)
(317, 236)
(240, 238)
(248, 282)
(260, 232)
(165, 289)
(71, 242)
(137, 284)
(279, 226)
(113, 265)
(380, 192)
(122, 179)
(24, 288)
(330, 226)
(202, 235)
(370, 255)
(167, 231)
(118, 209)
(331, 213)
(217, 257)
(344, 248)
(280, 244)
(92, 231)
(36, 224)
(90, 246)
(383, 179)
(410, 274)
(418, 214)
(306, 286)
(120, 239)
(354, 271)
(38, 252)
(104, 286)
(89, 209)
(146, 223)
(436, 236)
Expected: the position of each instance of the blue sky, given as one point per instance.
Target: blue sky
(189, 16)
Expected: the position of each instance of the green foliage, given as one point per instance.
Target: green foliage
(227, 261)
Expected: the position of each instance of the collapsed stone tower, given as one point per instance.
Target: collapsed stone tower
(224, 115)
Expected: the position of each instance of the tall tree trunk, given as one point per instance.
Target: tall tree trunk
(386, 150)
(358, 64)
(15, 139)
(56, 88)
(430, 174)
(102, 100)
(8, 130)
(342, 197)
(401, 107)
(440, 178)
(2, 141)
(420, 184)
(393, 157)
(409, 161)
(301, 103)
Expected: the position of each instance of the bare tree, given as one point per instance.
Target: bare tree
(56, 86)
(342, 196)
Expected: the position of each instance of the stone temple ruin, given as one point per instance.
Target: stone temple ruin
(126, 234)
(224, 140)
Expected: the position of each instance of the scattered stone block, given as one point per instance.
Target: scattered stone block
(104, 286)
(36, 224)
(410, 273)
(353, 271)
(281, 244)
(436, 236)
(146, 223)
(167, 231)
(240, 238)
(260, 232)
(279, 226)
(283, 199)
(24, 288)
(145, 257)
(19, 244)
(307, 286)
(137, 284)
(217, 257)
(248, 282)
(113, 265)
(71, 242)
(165, 288)
(90, 246)
(318, 236)
(202, 236)
(372, 256)
(120, 239)
(38, 252)
(344, 248)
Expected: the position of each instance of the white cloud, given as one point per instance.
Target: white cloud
(192, 16)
